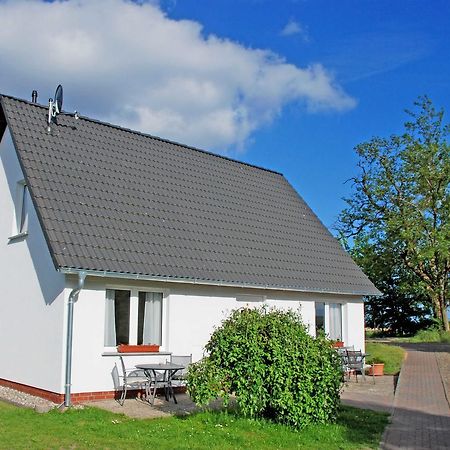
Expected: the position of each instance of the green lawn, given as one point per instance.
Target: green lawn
(391, 355)
(93, 428)
(431, 335)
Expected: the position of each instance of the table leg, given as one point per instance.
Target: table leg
(172, 392)
(151, 375)
(166, 387)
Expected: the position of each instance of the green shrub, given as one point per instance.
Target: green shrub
(432, 334)
(275, 369)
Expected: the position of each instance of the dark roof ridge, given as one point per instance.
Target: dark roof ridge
(140, 133)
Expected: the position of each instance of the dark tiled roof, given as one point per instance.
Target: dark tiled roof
(110, 199)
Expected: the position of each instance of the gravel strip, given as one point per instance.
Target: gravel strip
(443, 360)
(25, 400)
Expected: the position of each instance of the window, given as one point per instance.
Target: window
(320, 317)
(329, 319)
(335, 328)
(150, 318)
(133, 317)
(20, 225)
(122, 316)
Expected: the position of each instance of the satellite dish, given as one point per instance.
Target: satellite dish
(55, 106)
(58, 99)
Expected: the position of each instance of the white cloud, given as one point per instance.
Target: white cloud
(130, 64)
(293, 27)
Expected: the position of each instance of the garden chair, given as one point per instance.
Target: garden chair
(355, 362)
(179, 379)
(342, 352)
(129, 379)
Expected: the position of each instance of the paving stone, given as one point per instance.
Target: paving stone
(421, 413)
(161, 408)
(378, 396)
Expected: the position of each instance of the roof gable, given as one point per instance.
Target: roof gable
(110, 199)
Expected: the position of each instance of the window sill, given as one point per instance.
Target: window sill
(18, 236)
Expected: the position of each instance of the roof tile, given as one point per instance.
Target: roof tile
(112, 199)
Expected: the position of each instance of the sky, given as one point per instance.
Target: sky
(289, 85)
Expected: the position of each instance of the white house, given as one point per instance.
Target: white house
(135, 239)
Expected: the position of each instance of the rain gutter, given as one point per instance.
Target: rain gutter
(165, 279)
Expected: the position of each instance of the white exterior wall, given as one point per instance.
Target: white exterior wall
(33, 308)
(354, 315)
(31, 292)
(190, 313)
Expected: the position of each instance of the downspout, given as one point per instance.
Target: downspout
(72, 299)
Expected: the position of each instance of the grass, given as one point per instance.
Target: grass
(94, 428)
(431, 335)
(423, 336)
(391, 355)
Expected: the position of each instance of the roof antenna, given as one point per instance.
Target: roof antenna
(34, 96)
(55, 106)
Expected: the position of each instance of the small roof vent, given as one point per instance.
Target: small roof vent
(34, 96)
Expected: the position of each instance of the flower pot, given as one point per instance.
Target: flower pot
(125, 348)
(377, 369)
(338, 344)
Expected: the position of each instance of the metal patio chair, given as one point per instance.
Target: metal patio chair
(342, 352)
(355, 362)
(129, 379)
(179, 378)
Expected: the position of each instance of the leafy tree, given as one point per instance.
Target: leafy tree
(276, 370)
(401, 201)
(404, 307)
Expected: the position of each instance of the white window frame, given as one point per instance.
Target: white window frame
(134, 307)
(21, 210)
(327, 317)
(328, 320)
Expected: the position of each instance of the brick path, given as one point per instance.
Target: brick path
(421, 413)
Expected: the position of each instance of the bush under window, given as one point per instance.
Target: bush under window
(273, 367)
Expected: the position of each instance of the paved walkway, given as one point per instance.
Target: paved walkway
(421, 413)
(378, 396)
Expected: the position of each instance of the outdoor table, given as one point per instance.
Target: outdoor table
(168, 371)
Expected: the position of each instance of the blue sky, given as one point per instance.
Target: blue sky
(288, 85)
(383, 53)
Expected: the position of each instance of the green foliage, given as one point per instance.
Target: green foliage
(276, 370)
(401, 202)
(404, 307)
(432, 334)
(391, 355)
(92, 428)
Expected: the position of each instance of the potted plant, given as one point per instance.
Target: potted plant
(377, 367)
